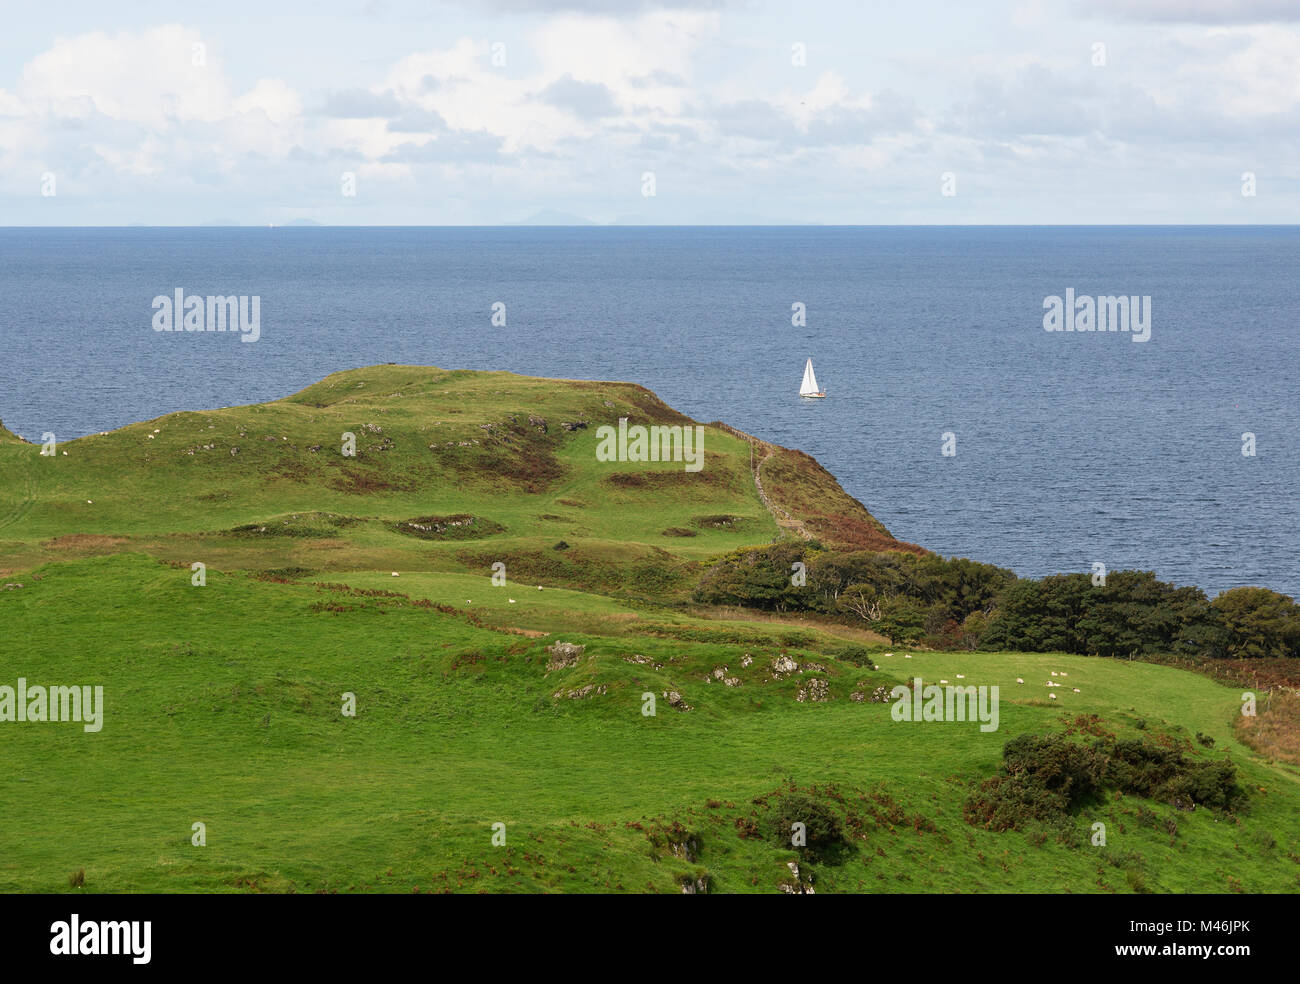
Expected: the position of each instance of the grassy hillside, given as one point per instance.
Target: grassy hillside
(223, 702)
(267, 486)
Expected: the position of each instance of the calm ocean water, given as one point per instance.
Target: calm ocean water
(1071, 448)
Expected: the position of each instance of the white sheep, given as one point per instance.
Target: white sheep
(1020, 679)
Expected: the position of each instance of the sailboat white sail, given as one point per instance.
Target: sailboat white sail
(810, 387)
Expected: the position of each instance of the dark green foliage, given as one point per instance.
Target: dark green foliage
(1258, 622)
(823, 827)
(1056, 763)
(900, 620)
(1132, 614)
(955, 603)
(913, 596)
(857, 655)
(1142, 767)
(1045, 778)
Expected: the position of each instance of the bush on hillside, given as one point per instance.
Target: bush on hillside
(1259, 623)
(1045, 778)
(823, 828)
(857, 655)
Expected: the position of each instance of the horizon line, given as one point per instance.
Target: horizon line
(292, 224)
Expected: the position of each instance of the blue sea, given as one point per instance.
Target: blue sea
(1071, 448)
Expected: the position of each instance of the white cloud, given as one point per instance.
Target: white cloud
(586, 102)
(147, 78)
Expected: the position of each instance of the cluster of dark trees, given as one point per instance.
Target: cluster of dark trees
(955, 603)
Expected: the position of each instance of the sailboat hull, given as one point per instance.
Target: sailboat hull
(812, 396)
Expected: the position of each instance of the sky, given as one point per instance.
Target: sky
(845, 112)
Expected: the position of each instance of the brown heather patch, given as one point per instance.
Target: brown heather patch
(1275, 729)
(652, 409)
(716, 477)
(360, 481)
(527, 633)
(290, 471)
(795, 482)
(382, 596)
(524, 460)
(1257, 673)
(85, 543)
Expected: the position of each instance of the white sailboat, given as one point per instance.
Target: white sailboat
(810, 389)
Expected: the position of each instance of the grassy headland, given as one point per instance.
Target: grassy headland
(223, 702)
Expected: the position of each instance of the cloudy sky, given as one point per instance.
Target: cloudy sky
(504, 111)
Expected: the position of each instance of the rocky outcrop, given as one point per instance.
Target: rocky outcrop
(676, 700)
(797, 884)
(783, 666)
(816, 691)
(581, 692)
(563, 655)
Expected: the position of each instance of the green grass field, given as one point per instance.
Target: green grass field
(223, 703)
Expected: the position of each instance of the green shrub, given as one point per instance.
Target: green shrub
(1045, 778)
(857, 655)
(823, 828)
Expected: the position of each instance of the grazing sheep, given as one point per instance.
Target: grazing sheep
(1020, 679)
(1077, 690)
(1053, 696)
(511, 600)
(395, 574)
(943, 681)
(961, 676)
(1053, 673)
